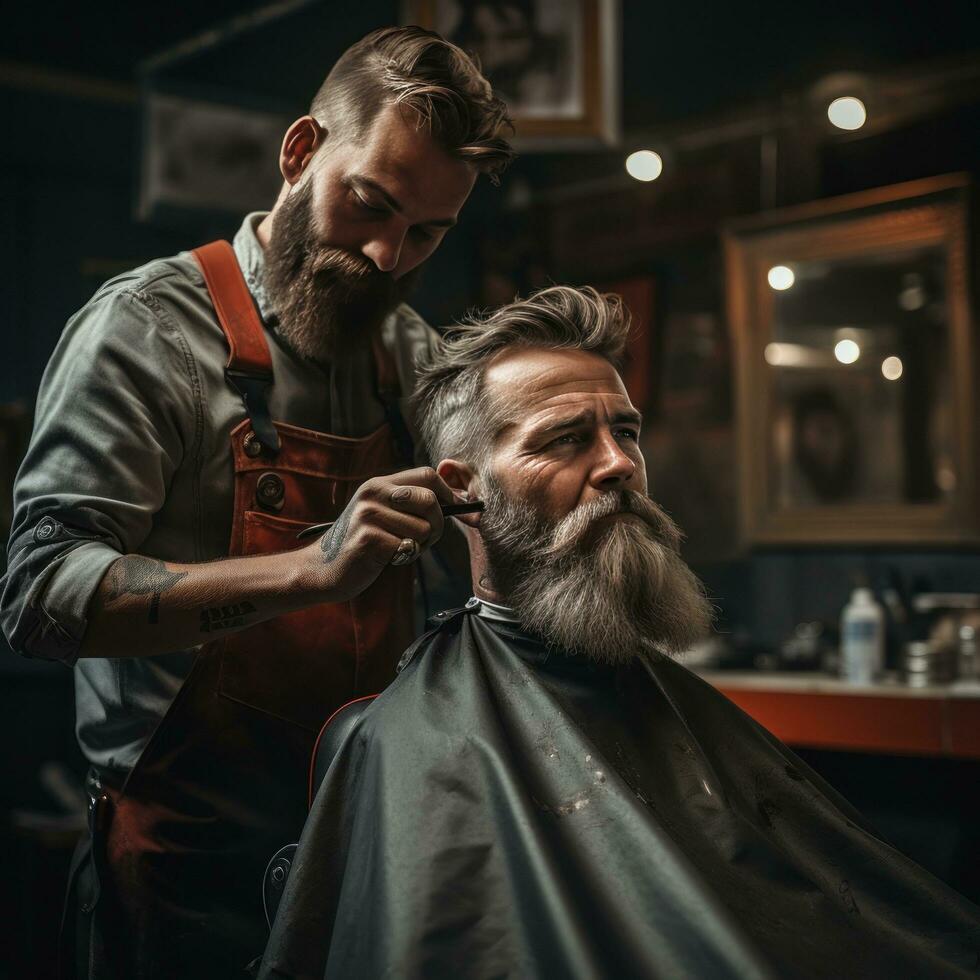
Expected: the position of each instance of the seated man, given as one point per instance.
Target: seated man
(543, 792)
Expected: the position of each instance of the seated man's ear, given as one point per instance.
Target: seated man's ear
(461, 479)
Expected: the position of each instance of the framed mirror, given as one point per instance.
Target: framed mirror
(855, 369)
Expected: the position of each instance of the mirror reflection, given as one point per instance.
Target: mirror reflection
(859, 362)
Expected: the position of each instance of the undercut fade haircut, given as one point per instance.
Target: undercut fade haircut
(455, 415)
(420, 70)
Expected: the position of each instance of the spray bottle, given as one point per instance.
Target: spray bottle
(862, 638)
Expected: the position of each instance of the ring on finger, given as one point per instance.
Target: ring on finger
(407, 551)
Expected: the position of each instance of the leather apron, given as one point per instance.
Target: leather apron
(222, 783)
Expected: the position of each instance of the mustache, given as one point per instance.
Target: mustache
(356, 280)
(345, 265)
(573, 531)
(328, 269)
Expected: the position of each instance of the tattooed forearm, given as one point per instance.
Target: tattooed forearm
(333, 540)
(136, 575)
(226, 617)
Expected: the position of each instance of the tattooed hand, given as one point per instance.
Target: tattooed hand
(382, 513)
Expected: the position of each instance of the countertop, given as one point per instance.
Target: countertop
(817, 711)
(817, 682)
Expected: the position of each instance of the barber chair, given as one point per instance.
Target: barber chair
(331, 737)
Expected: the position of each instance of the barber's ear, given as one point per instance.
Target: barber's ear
(301, 141)
(461, 479)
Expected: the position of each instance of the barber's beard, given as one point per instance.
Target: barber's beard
(607, 587)
(330, 302)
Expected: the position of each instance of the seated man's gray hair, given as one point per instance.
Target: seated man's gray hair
(455, 415)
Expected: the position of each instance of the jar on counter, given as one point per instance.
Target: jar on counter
(925, 664)
(967, 667)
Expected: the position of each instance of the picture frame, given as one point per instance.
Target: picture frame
(638, 294)
(201, 155)
(557, 63)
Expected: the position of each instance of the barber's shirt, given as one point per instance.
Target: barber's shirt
(131, 453)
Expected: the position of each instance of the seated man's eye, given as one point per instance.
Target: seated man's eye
(629, 434)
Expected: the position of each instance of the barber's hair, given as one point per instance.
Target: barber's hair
(456, 416)
(418, 69)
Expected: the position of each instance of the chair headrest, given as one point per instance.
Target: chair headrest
(331, 737)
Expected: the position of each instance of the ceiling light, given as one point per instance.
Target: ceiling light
(781, 277)
(891, 368)
(846, 351)
(847, 113)
(644, 165)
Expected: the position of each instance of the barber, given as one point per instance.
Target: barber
(196, 414)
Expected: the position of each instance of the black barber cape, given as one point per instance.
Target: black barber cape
(502, 811)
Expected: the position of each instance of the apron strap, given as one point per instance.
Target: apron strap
(249, 367)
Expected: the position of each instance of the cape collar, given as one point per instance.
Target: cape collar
(492, 610)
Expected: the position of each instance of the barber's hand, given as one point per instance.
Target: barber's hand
(385, 512)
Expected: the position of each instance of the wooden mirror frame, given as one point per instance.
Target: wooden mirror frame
(919, 213)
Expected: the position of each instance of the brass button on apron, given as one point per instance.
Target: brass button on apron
(252, 446)
(270, 491)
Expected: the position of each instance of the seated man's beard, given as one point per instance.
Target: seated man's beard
(330, 302)
(607, 587)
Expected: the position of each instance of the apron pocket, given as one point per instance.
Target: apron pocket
(297, 667)
(266, 533)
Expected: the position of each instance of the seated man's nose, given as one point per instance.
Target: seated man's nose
(615, 469)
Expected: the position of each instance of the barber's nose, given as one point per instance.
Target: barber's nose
(384, 251)
(614, 468)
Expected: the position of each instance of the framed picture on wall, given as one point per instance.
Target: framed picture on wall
(200, 155)
(687, 437)
(639, 375)
(555, 62)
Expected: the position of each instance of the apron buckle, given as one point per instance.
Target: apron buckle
(254, 389)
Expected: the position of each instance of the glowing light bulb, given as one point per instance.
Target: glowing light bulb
(847, 113)
(644, 165)
(846, 351)
(781, 277)
(891, 368)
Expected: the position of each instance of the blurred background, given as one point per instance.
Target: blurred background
(785, 196)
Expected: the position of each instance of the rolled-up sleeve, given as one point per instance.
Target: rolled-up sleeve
(113, 418)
